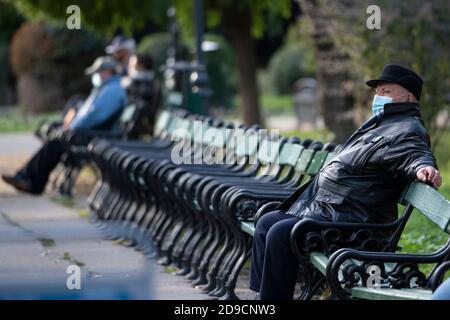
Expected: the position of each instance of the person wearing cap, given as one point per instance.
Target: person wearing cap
(122, 48)
(361, 184)
(106, 100)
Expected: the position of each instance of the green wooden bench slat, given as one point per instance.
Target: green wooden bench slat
(430, 202)
(268, 151)
(248, 227)
(304, 160)
(247, 145)
(290, 153)
(182, 130)
(214, 137)
(316, 162)
(198, 130)
(329, 157)
(173, 124)
(391, 294)
(319, 260)
(162, 122)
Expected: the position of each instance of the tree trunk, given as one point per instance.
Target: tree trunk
(237, 25)
(333, 73)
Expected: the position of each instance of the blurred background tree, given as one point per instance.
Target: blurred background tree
(105, 16)
(295, 59)
(49, 63)
(420, 40)
(333, 72)
(242, 22)
(10, 20)
(332, 44)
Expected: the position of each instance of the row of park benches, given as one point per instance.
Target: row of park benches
(199, 214)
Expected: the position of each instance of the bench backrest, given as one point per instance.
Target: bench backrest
(162, 122)
(290, 153)
(429, 202)
(304, 160)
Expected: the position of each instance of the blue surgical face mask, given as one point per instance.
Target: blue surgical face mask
(96, 80)
(379, 102)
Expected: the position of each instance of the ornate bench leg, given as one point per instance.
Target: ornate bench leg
(230, 285)
(306, 276)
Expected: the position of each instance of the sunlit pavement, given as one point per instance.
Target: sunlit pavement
(40, 239)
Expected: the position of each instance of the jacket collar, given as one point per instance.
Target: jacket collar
(406, 109)
(113, 78)
(403, 109)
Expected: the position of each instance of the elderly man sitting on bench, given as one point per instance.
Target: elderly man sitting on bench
(361, 184)
(106, 99)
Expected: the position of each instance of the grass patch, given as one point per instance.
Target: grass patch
(66, 201)
(170, 269)
(66, 256)
(315, 134)
(16, 121)
(122, 242)
(271, 104)
(83, 213)
(277, 104)
(46, 242)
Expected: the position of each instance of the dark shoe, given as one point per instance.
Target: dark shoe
(19, 182)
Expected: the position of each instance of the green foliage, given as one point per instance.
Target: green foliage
(49, 62)
(260, 12)
(128, 15)
(414, 33)
(16, 121)
(46, 242)
(288, 64)
(295, 59)
(277, 104)
(315, 134)
(105, 16)
(271, 105)
(10, 20)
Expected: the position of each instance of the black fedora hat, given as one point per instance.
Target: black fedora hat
(395, 73)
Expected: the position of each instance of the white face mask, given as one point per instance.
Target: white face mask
(96, 80)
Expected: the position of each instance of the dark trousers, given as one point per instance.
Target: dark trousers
(42, 163)
(274, 268)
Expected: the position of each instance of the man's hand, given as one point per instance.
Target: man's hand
(70, 115)
(431, 175)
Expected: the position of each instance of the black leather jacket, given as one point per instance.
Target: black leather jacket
(364, 181)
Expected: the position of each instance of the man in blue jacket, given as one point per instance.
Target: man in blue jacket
(105, 101)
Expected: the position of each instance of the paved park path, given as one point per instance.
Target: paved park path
(40, 238)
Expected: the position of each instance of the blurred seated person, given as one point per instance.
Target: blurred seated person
(105, 101)
(142, 91)
(122, 49)
(442, 292)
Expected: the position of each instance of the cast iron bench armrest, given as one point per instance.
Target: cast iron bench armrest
(396, 275)
(328, 237)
